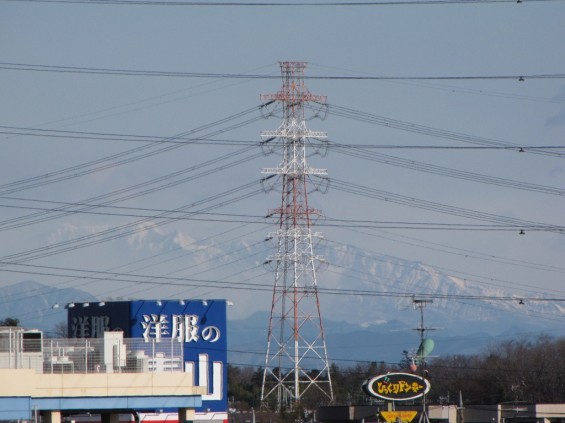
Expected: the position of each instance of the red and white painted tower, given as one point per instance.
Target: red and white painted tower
(296, 362)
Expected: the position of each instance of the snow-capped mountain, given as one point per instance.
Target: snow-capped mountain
(376, 288)
(366, 298)
(390, 284)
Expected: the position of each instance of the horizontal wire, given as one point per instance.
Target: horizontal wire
(124, 157)
(281, 3)
(184, 281)
(441, 208)
(110, 234)
(445, 171)
(176, 74)
(47, 215)
(100, 136)
(144, 261)
(430, 131)
(242, 218)
(424, 167)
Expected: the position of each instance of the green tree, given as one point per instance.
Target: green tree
(517, 370)
(10, 321)
(243, 389)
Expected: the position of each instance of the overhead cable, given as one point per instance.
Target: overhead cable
(158, 146)
(100, 136)
(127, 229)
(178, 74)
(387, 159)
(431, 131)
(263, 4)
(365, 192)
(180, 281)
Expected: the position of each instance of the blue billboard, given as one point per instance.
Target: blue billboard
(200, 325)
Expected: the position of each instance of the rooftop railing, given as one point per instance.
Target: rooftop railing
(93, 355)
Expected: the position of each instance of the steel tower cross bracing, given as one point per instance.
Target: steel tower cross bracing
(296, 362)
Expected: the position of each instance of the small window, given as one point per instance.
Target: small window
(32, 341)
(4, 342)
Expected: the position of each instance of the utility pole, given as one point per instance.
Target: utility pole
(296, 361)
(421, 304)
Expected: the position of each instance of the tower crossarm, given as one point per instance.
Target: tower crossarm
(287, 211)
(295, 98)
(295, 232)
(286, 133)
(286, 170)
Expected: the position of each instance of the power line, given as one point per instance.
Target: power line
(431, 131)
(145, 262)
(169, 214)
(126, 229)
(125, 157)
(177, 74)
(449, 88)
(367, 192)
(100, 136)
(182, 281)
(206, 140)
(122, 211)
(262, 4)
(130, 192)
(445, 171)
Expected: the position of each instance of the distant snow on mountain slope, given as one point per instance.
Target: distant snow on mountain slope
(366, 298)
(367, 289)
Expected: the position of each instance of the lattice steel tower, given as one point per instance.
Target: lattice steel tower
(296, 362)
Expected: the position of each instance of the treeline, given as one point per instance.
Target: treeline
(521, 370)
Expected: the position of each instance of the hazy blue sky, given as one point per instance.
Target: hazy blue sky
(417, 40)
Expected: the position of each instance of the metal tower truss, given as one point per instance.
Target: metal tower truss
(296, 362)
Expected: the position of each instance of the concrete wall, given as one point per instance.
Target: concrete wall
(443, 412)
(551, 410)
(26, 382)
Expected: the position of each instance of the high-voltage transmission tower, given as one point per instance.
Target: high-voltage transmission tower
(296, 362)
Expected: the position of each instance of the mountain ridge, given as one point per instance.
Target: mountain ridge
(375, 303)
(347, 342)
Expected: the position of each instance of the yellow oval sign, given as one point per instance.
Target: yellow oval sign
(396, 386)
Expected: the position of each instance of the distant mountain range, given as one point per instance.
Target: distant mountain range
(367, 326)
(38, 306)
(347, 343)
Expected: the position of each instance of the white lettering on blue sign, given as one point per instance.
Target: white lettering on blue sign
(210, 333)
(89, 326)
(214, 387)
(184, 328)
(154, 326)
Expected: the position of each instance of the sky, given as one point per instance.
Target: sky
(423, 82)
